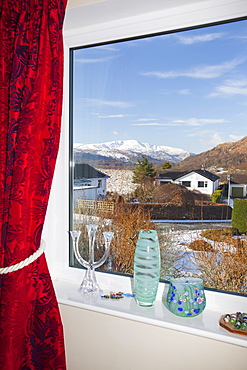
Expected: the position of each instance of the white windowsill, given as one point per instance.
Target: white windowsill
(205, 325)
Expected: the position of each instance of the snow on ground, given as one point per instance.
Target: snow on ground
(120, 181)
(186, 262)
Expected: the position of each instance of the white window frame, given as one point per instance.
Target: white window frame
(56, 226)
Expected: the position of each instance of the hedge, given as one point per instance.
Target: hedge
(239, 215)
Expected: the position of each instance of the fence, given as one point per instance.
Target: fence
(95, 205)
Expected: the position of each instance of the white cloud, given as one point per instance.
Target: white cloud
(207, 71)
(216, 139)
(116, 116)
(235, 137)
(184, 92)
(108, 47)
(193, 122)
(146, 119)
(93, 60)
(118, 104)
(156, 124)
(115, 133)
(209, 138)
(180, 92)
(231, 87)
(201, 121)
(147, 124)
(188, 40)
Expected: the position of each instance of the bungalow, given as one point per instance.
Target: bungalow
(200, 180)
(89, 183)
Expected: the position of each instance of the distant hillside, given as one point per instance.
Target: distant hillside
(228, 156)
(125, 153)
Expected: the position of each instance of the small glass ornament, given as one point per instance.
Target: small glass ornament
(146, 267)
(186, 297)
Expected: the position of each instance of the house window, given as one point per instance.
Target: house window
(124, 99)
(99, 183)
(186, 183)
(202, 184)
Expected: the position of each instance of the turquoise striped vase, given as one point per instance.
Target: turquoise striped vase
(146, 267)
(186, 297)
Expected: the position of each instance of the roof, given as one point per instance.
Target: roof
(209, 175)
(85, 171)
(170, 175)
(235, 178)
(176, 175)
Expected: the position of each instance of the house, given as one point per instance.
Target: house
(98, 337)
(89, 183)
(236, 183)
(199, 180)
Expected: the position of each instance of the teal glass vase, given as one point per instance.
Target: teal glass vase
(146, 267)
(186, 297)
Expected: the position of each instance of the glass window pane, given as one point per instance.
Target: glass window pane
(144, 113)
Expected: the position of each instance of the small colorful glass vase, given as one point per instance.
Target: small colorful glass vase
(146, 267)
(186, 297)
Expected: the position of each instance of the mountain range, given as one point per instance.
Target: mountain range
(123, 154)
(127, 151)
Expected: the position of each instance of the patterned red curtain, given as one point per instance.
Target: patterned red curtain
(31, 77)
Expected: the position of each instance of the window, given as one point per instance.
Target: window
(123, 94)
(186, 183)
(202, 184)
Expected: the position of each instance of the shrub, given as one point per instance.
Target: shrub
(201, 246)
(224, 269)
(127, 224)
(239, 215)
(216, 196)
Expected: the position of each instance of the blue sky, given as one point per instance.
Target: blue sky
(186, 90)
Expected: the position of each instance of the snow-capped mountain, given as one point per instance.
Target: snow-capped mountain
(131, 150)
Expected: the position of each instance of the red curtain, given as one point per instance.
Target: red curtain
(31, 77)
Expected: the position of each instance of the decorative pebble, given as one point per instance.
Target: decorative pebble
(244, 325)
(239, 320)
(237, 324)
(116, 296)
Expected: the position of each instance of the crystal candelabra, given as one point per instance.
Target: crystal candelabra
(89, 283)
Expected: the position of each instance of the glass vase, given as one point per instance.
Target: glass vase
(186, 297)
(146, 267)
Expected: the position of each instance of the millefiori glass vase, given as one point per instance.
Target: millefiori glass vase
(186, 296)
(146, 267)
(89, 283)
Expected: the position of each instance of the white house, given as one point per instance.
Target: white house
(200, 180)
(89, 183)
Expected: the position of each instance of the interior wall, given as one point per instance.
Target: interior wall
(98, 341)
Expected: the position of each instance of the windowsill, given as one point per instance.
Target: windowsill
(205, 325)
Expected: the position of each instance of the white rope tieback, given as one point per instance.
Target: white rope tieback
(26, 262)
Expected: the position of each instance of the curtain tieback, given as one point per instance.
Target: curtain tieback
(25, 262)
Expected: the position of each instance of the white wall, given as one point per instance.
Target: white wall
(97, 341)
(194, 177)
